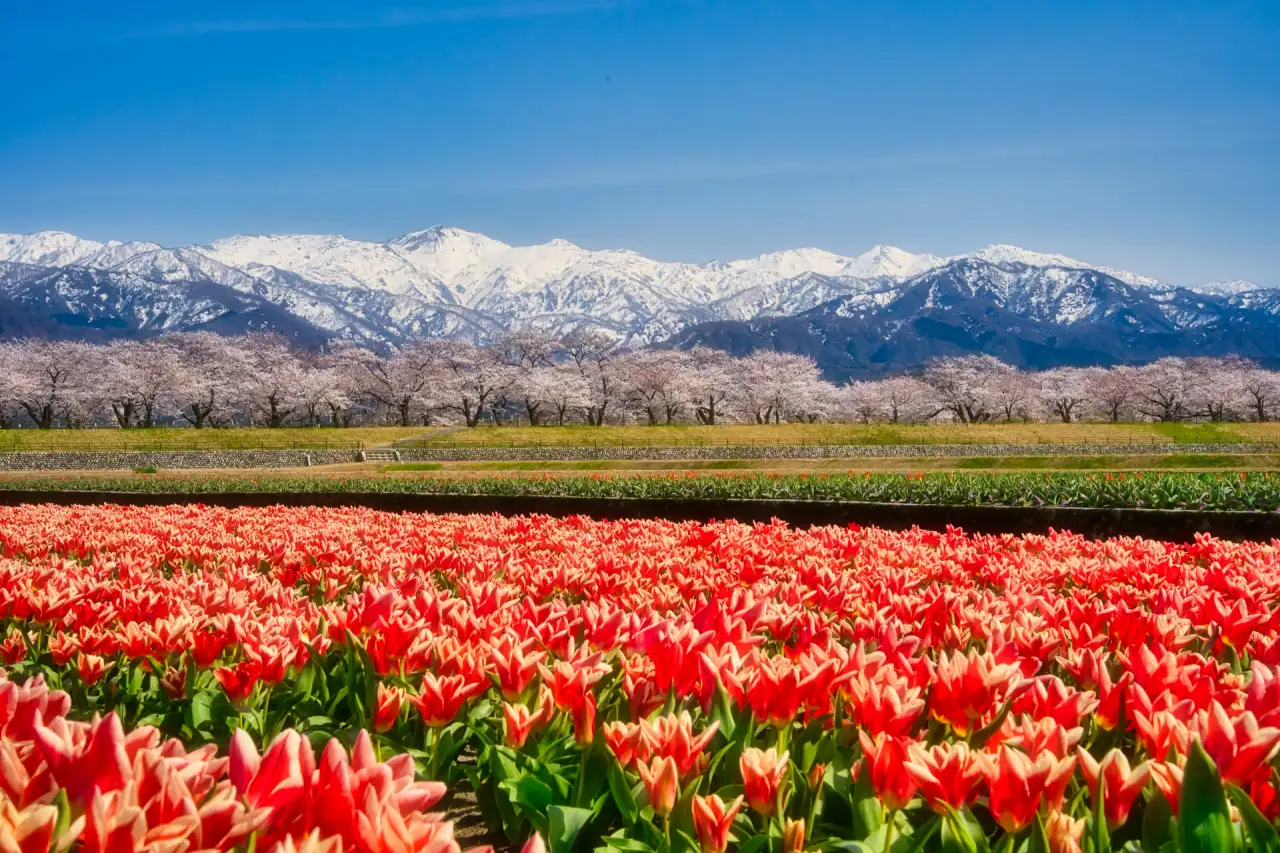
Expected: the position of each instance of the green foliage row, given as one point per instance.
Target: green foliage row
(1154, 490)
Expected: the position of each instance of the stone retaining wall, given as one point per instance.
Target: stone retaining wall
(129, 460)
(842, 451)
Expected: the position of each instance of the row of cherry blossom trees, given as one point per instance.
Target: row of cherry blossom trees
(202, 380)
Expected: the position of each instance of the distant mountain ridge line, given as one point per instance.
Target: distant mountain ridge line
(883, 310)
(441, 242)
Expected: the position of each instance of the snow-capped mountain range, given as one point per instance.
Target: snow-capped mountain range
(447, 281)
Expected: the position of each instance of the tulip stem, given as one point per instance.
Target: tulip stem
(433, 741)
(888, 830)
(582, 777)
(666, 830)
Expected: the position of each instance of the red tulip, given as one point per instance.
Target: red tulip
(14, 648)
(519, 723)
(515, 664)
(91, 668)
(1168, 778)
(1237, 746)
(88, 759)
(661, 780)
(968, 691)
(1121, 785)
(1063, 833)
(886, 762)
(712, 820)
(27, 831)
(763, 775)
(535, 844)
(442, 698)
(673, 736)
(947, 774)
(387, 711)
(239, 682)
(1017, 786)
(626, 742)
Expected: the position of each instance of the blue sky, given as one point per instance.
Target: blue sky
(1138, 134)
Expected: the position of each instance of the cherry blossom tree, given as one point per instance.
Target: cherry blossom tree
(595, 354)
(212, 378)
(1011, 390)
(9, 385)
(1261, 392)
(139, 380)
(276, 379)
(470, 378)
(399, 382)
(775, 386)
(1162, 390)
(48, 378)
(894, 400)
(968, 387)
(1111, 392)
(711, 384)
(1063, 392)
(658, 383)
(1216, 387)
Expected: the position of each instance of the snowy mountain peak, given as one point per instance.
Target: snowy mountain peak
(882, 261)
(46, 248)
(445, 252)
(1227, 288)
(793, 262)
(1002, 253)
(115, 253)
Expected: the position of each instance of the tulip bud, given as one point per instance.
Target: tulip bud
(662, 780)
(816, 775)
(712, 820)
(91, 668)
(793, 836)
(535, 844)
(519, 722)
(763, 772)
(387, 711)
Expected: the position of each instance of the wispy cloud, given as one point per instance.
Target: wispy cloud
(453, 13)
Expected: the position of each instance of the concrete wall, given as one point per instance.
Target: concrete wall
(127, 461)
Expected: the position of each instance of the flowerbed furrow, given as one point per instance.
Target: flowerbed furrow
(628, 685)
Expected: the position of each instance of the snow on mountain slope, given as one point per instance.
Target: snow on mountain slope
(999, 253)
(446, 253)
(327, 259)
(449, 281)
(1227, 288)
(115, 253)
(878, 262)
(46, 248)
(183, 265)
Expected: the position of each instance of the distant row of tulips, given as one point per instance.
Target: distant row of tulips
(1153, 490)
(632, 687)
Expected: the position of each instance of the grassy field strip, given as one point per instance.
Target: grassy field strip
(800, 434)
(318, 438)
(1146, 462)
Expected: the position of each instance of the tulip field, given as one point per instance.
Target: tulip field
(185, 678)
